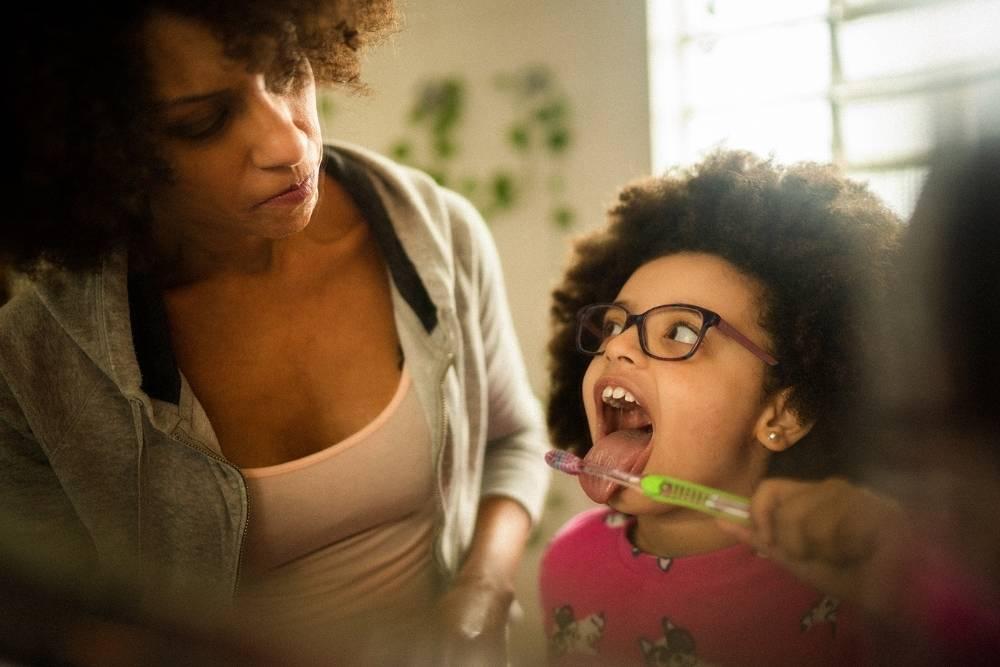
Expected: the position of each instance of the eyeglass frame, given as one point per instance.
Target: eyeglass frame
(710, 319)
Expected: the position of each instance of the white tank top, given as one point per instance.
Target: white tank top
(345, 534)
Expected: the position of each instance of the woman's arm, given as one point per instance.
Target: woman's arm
(514, 463)
(475, 609)
(40, 533)
(514, 477)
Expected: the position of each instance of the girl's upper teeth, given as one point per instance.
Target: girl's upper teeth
(617, 396)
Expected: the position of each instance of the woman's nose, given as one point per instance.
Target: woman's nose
(279, 137)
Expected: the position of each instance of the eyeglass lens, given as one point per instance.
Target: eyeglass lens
(669, 332)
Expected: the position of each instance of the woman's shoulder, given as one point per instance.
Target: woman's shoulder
(403, 186)
(63, 297)
(59, 322)
(22, 309)
(399, 179)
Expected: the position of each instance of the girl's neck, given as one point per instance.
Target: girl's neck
(679, 533)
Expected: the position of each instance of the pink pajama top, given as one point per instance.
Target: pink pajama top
(607, 603)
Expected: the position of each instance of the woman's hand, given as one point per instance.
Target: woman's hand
(471, 623)
(843, 539)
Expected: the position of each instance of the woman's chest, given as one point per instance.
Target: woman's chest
(282, 378)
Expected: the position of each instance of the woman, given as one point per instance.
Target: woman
(249, 367)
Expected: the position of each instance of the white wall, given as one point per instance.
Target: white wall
(597, 49)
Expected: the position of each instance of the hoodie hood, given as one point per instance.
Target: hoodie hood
(92, 308)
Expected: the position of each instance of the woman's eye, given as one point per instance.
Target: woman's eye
(200, 128)
(682, 333)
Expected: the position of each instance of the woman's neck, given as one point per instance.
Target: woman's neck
(181, 260)
(334, 227)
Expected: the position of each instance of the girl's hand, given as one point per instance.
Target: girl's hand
(840, 538)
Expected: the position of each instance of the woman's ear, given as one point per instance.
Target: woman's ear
(778, 426)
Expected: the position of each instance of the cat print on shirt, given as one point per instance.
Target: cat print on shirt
(661, 562)
(574, 635)
(616, 520)
(824, 611)
(675, 648)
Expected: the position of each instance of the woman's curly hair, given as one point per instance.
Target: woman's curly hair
(817, 242)
(84, 147)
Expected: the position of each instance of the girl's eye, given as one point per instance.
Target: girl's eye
(200, 128)
(682, 333)
(611, 328)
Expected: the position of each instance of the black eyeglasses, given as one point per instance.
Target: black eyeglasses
(672, 332)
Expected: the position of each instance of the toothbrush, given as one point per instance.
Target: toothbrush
(660, 488)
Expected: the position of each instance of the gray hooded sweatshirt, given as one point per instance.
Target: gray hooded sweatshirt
(108, 462)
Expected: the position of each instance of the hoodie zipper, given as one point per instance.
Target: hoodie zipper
(193, 444)
(442, 452)
(140, 435)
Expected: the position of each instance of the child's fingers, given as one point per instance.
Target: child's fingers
(832, 521)
(803, 521)
(838, 537)
(770, 497)
(798, 523)
(743, 533)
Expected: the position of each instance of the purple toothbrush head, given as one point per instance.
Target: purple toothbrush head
(564, 461)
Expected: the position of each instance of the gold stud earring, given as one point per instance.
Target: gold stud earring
(772, 436)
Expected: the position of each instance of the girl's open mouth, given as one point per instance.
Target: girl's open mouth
(626, 431)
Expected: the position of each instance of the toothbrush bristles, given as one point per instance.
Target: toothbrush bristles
(574, 465)
(564, 461)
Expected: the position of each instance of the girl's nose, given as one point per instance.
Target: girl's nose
(625, 346)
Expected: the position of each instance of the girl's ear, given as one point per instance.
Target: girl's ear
(778, 426)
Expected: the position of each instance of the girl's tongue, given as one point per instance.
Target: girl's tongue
(625, 447)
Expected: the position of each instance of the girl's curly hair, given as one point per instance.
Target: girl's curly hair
(84, 152)
(817, 242)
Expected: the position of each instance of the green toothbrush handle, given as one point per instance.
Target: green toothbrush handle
(664, 489)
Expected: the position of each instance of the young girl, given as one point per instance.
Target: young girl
(717, 320)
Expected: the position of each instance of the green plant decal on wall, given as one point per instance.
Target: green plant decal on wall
(540, 130)
(327, 108)
(437, 113)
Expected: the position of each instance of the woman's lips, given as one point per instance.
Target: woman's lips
(292, 196)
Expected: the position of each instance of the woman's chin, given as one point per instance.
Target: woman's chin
(285, 228)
